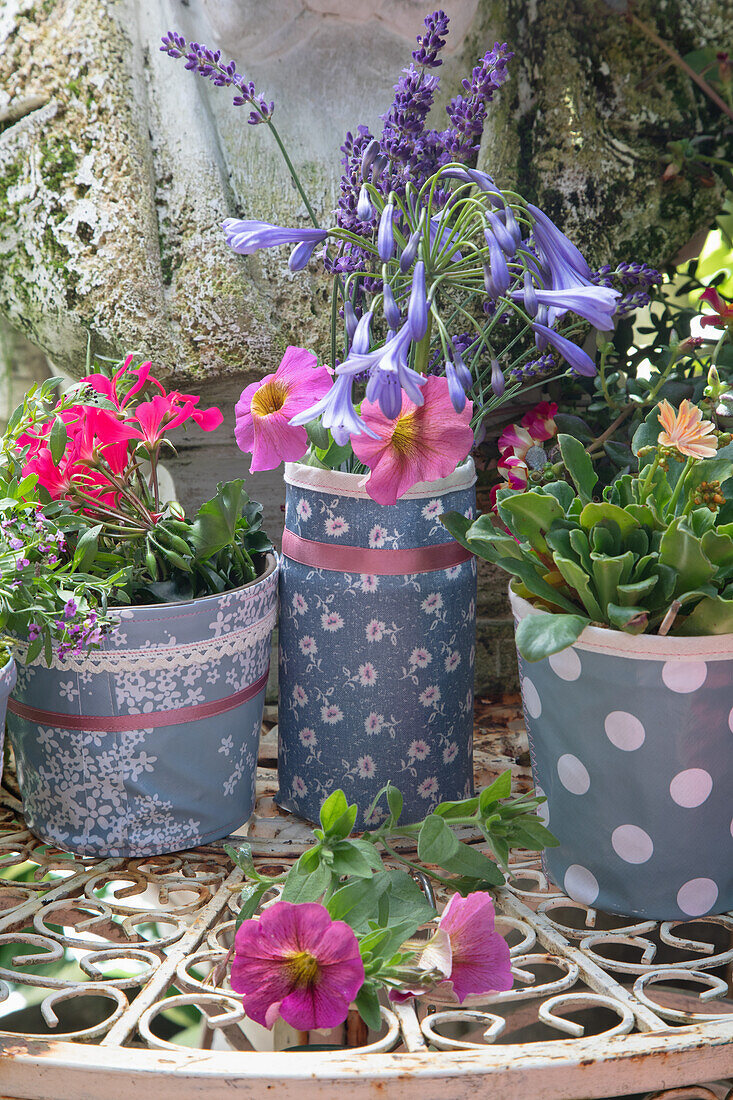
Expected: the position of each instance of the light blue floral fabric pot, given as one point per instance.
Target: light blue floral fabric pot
(377, 644)
(149, 744)
(631, 741)
(8, 674)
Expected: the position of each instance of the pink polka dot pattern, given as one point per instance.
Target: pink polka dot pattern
(691, 787)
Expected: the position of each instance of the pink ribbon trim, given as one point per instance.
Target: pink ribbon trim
(381, 563)
(121, 723)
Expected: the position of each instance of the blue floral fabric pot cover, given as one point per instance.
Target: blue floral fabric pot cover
(376, 668)
(123, 786)
(631, 740)
(8, 674)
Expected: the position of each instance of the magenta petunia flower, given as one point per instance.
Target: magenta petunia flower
(295, 962)
(265, 408)
(467, 948)
(422, 443)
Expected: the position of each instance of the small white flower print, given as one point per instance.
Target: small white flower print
(450, 752)
(227, 744)
(452, 571)
(373, 722)
(428, 787)
(369, 582)
(331, 714)
(431, 696)
(308, 737)
(336, 526)
(432, 603)
(377, 536)
(300, 604)
(300, 696)
(375, 630)
(307, 645)
(420, 657)
(367, 674)
(331, 621)
(418, 750)
(68, 691)
(300, 789)
(365, 767)
(432, 509)
(452, 661)
(303, 509)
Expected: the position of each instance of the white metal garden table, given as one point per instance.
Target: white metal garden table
(108, 950)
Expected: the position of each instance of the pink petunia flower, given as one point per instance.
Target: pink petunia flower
(297, 963)
(265, 408)
(423, 443)
(467, 948)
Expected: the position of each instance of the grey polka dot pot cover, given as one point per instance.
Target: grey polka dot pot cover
(631, 741)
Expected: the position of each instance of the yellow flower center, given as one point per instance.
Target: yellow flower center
(303, 969)
(404, 434)
(269, 399)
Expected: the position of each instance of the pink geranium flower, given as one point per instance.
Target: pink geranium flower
(295, 962)
(265, 408)
(423, 443)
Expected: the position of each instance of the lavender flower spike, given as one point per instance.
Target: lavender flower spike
(246, 237)
(578, 359)
(385, 234)
(417, 308)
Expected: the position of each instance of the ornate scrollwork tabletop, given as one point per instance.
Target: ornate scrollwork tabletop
(113, 981)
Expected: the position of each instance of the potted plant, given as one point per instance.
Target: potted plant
(623, 602)
(449, 297)
(148, 743)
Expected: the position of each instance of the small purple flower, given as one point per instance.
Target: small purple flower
(21, 563)
(208, 63)
(369, 155)
(578, 359)
(70, 608)
(16, 544)
(246, 237)
(506, 240)
(336, 410)
(34, 631)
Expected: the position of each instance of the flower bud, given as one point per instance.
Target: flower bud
(364, 208)
(498, 383)
(368, 157)
(385, 235)
(360, 341)
(502, 234)
(456, 391)
(392, 314)
(350, 320)
(417, 308)
(378, 167)
(530, 295)
(410, 251)
(300, 256)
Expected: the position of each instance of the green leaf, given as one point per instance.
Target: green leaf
(529, 516)
(593, 514)
(457, 525)
(357, 902)
(317, 434)
(718, 548)
(500, 788)
(394, 801)
(579, 465)
(540, 636)
(306, 887)
(241, 857)
(538, 834)
(632, 594)
(682, 551)
(562, 492)
(631, 619)
(578, 579)
(575, 426)
(215, 525)
(464, 808)
(608, 573)
(251, 896)
(367, 1005)
(57, 440)
(332, 810)
(713, 615)
(348, 860)
(404, 900)
(471, 863)
(86, 549)
(536, 584)
(436, 841)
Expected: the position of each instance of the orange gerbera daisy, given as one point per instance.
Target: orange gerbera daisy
(686, 431)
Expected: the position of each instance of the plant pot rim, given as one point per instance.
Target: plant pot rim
(346, 484)
(650, 647)
(271, 564)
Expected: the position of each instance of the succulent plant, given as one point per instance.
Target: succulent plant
(652, 555)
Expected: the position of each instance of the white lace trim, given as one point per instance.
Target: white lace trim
(354, 485)
(174, 657)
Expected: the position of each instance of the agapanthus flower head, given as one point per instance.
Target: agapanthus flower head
(294, 961)
(423, 443)
(685, 430)
(265, 409)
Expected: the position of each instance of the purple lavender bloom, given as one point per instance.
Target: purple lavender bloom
(385, 235)
(431, 43)
(468, 113)
(496, 274)
(392, 314)
(578, 359)
(417, 308)
(208, 63)
(563, 261)
(246, 237)
(596, 304)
